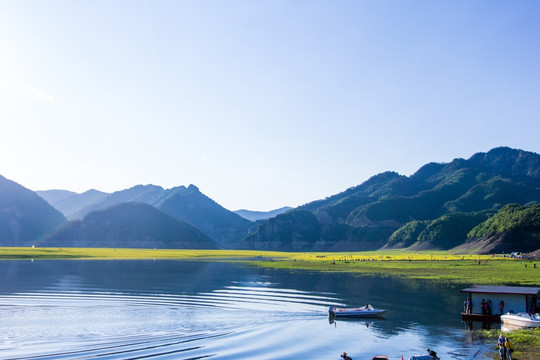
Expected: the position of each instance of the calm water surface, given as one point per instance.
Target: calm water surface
(196, 310)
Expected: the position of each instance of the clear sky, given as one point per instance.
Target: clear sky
(261, 104)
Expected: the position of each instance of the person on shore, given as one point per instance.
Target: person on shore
(345, 356)
(502, 347)
(509, 348)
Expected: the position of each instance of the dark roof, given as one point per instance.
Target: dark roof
(520, 290)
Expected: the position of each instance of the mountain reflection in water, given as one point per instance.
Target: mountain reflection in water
(193, 310)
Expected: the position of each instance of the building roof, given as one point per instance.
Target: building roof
(519, 290)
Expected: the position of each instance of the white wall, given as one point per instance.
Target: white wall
(515, 303)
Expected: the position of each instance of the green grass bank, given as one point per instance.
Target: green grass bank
(443, 266)
(526, 342)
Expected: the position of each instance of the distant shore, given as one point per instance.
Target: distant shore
(440, 265)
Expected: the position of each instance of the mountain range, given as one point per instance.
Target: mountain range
(129, 225)
(441, 206)
(182, 203)
(437, 207)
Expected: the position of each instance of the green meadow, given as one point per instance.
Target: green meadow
(442, 266)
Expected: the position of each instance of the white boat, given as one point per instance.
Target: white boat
(365, 311)
(521, 319)
(423, 357)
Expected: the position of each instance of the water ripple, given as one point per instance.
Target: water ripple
(56, 324)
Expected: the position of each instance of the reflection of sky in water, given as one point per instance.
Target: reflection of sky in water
(182, 310)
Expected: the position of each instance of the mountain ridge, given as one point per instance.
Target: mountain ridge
(182, 203)
(386, 201)
(434, 208)
(24, 216)
(252, 215)
(131, 225)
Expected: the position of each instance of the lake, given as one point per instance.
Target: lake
(195, 310)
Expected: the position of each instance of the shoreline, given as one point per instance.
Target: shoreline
(438, 266)
(435, 265)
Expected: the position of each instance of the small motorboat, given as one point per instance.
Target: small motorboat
(431, 355)
(521, 319)
(365, 311)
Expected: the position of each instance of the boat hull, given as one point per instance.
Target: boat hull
(357, 313)
(521, 320)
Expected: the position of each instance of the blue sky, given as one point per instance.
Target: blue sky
(261, 104)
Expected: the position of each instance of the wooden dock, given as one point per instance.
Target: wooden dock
(480, 317)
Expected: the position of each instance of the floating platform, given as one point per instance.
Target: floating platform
(480, 317)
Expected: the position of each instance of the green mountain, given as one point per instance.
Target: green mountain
(24, 216)
(434, 208)
(186, 204)
(129, 225)
(461, 205)
(510, 217)
(512, 228)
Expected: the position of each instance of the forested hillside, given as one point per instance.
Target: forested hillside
(129, 225)
(435, 208)
(512, 228)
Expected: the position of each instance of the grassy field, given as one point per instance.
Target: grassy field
(526, 342)
(443, 266)
(14, 253)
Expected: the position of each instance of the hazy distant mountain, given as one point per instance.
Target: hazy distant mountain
(187, 204)
(71, 203)
(364, 217)
(24, 216)
(261, 215)
(140, 194)
(54, 196)
(129, 225)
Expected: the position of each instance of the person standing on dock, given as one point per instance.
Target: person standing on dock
(501, 306)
